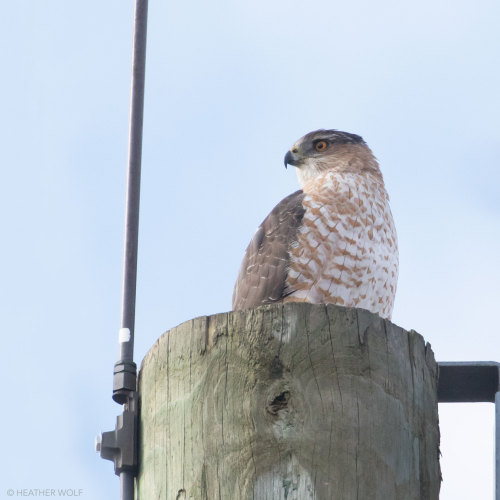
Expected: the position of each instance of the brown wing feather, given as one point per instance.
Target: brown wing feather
(263, 272)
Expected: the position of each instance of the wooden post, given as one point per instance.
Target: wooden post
(293, 401)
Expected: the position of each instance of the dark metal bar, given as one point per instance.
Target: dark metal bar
(468, 382)
(473, 382)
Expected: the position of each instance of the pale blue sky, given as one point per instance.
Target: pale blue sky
(230, 86)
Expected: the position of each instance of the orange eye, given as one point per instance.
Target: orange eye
(320, 146)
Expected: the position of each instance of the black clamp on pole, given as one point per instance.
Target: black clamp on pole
(120, 445)
(124, 379)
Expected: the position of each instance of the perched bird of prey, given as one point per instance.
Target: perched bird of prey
(333, 241)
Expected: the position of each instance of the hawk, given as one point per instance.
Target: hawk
(333, 241)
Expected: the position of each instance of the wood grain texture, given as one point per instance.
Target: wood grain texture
(293, 401)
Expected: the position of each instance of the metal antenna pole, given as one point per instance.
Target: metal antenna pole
(125, 369)
(133, 181)
(120, 445)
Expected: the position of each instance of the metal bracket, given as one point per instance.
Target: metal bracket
(473, 382)
(468, 382)
(120, 445)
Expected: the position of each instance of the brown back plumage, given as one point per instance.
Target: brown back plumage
(263, 272)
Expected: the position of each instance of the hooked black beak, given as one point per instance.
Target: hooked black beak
(290, 159)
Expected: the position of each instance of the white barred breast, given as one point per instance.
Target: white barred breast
(346, 250)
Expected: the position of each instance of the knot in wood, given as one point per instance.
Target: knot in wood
(279, 403)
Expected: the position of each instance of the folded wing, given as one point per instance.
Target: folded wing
(263, 272)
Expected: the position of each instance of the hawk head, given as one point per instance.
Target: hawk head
(323, 150)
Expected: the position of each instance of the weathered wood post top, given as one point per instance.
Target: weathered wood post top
(293, 401)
